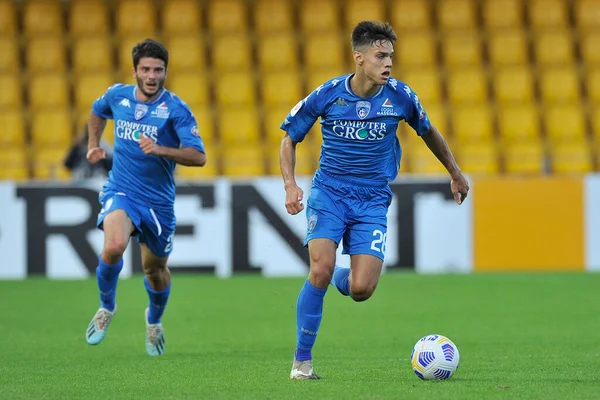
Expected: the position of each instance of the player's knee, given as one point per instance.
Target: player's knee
(361, 291)
(321, 271)
(114, 248)
(157, 275)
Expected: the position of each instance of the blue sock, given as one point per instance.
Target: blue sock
(340, 280)
(158, 302)
(107, 276)
(309, 311)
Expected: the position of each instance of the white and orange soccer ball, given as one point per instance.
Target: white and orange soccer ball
(435, 357)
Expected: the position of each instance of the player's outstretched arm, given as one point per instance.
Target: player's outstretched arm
(96, 126)
(188, 156)
(287, 163)
(439, 147)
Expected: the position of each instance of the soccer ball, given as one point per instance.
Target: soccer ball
(434, 357)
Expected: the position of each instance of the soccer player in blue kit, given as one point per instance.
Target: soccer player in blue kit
(154, 130)
(350, 193)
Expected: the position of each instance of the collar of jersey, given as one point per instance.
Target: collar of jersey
(162, 92)
(349, 90)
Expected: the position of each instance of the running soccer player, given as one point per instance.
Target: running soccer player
(350, 192)
(154, 130)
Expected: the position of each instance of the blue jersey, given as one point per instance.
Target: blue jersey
(168, 121)
(359, 134)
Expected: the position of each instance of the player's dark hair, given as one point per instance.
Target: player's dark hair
(149, 48)
(369, 33)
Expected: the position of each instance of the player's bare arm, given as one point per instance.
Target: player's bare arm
(187, 156)
(439, 147)
(96, 126)
(287, 163)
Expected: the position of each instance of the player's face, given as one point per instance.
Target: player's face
(150, 75)
(377, 62)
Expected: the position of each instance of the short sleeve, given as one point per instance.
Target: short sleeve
(416, 116)
(186, 128)
(101, 107)
(303, 116)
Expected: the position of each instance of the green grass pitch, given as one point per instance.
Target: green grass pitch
(520, 336)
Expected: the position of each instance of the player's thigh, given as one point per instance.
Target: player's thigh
(116, 219)
(158, 230)
(325, 215)
(152, 262)
(365, 271)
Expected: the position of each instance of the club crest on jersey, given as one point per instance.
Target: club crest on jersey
(140, 111)
(362, 109)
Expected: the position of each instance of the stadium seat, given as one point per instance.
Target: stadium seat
(191, 87)
(239, 127)
(42, 18)
(553, 47)
(49, 90)
(125, 48)
(278, 52)
(547, 13)
(145, 17)
(305, 164)
(426, 82)
(317, 46)
(227, 16)
(501, 14)
(472, 124)
(204, 118)
(317, 16)
(208, 171)
(92, 53)
(595, 122)
(507, 47)
(46, 54)
(88, 18)
(587, 14)
(456, 14)
(559, 85)
(360, 10)
(513, 85)
(316, 78)
(52, 128)
(519, 124)
(417, 157)
(565, 123)
(231, 52)
(48, 164)
(524, 158)
(571, 158)
(12, 128)
(437, 116)
(9, 55)
(478, 158)
(592, 85)
(416, 49)
(10, 95)
(186, 53)
(13, 164)
(281, 88)
(235, 89)
(181, 17)
(243, 162)
(460, 49)
(590, 48)
(410, 15)
(89, 87)
(467, 86)
(273, 16)
(273, 118)
(8, 19)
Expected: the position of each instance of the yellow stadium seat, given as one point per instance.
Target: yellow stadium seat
(500, 14)
(547, 13)
(8, 19)
(145, 17)
(239, 127)
(592, 85)
(456, 14)
(519, 124)
(42, 17)
(513, 85)
(227, 16)
(571, 158)
(281, 88)
(125, 48)
(92, 53)
(204, 118)
(315, 48)
(507, 47)
(181, 17)
(186, 53)
(416, 49)
(467, 86)
(360, 10)
(587, 14)
(13, 164)
(590, 48)
(479, 158)
(48, 90)
(425, 82)
(208, 171)
(12, 128)
(565, 123)
(553, 47)
(89, 87)
(235, 89)
(88, 18)
(418, 159)
(318, 77)
(273, 118)
(410, 15)
(48, 164)
(231, 52)
(243, 162)
(52, 128)
(595, 122)
(305, 160)
(318, 16)
(273, 16)
(191, 87)
(461, 49)
(437, 116)
(9, 55)
(472, 124)
(10, 95)
(524, 158)
(278, 52)
(46, 54)
(559, 85)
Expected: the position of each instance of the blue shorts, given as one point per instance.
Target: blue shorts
(153, 228)
(350, 209)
